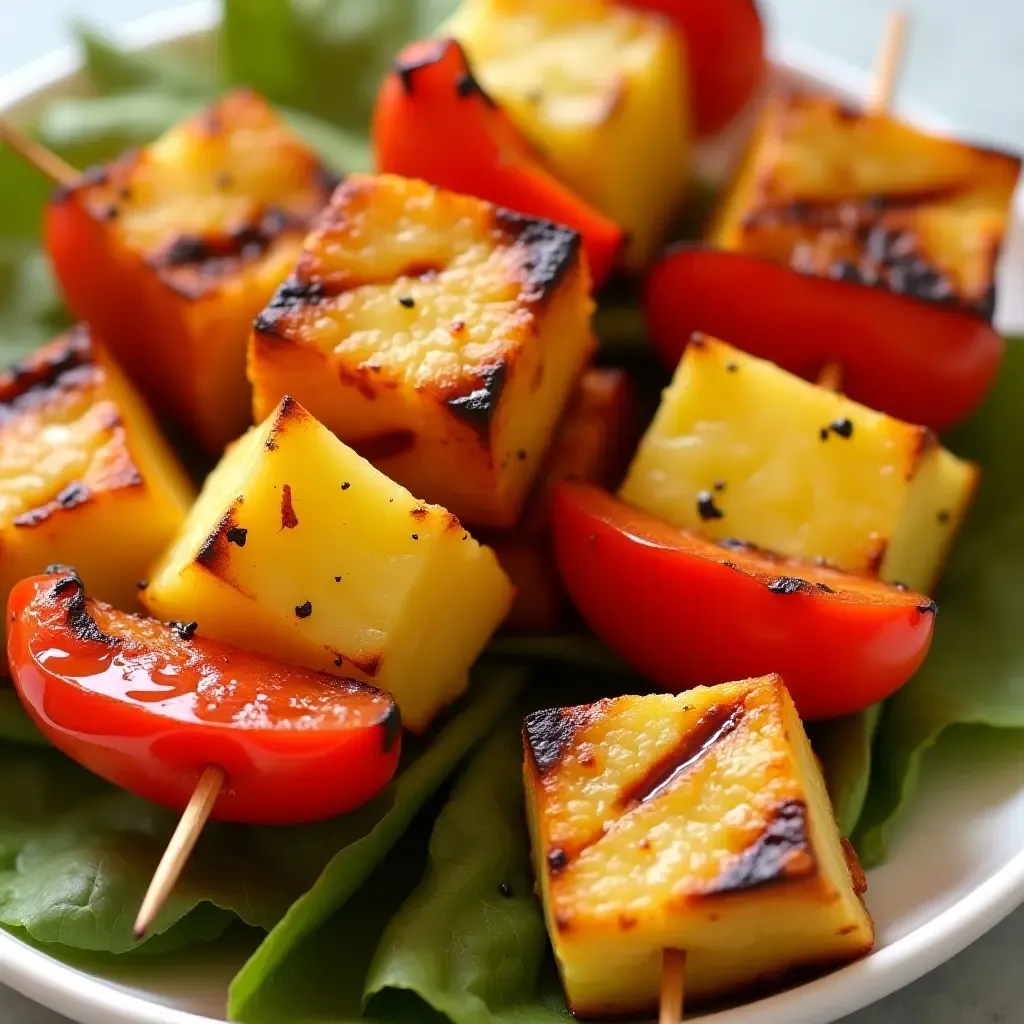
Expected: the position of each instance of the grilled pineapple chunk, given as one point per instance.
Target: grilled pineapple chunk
(862, 197)
(601, 90)
(299, 548)
(593, 443)
(85, 477)
(172, 250)
(741, 449)
(436, 334)
(698, 821)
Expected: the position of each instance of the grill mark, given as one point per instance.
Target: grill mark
(781, 851)
(551, 250)
(711, 728)
(82, 625)
(547, 734)
(479, 406)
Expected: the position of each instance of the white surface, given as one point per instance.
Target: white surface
(956, 871)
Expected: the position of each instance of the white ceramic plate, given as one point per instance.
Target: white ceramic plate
(956, 869)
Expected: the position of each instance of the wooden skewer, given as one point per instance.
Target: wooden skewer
(889, 64)
(59, 171)
(178, 849)
(673, 986)
(887, 73)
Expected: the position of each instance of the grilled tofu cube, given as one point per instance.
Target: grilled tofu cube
(600, 89)
(741, 449)
(593, 443)
(698, 821)
(862, 197)
(436, 334)
(85, 477)
(300, 549)
(170, 251)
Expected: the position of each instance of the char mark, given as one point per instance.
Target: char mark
(479, 406)
(59, 364)
(551, 251)
(711, 729)
(291, 294)
(82, 625)
(549, 733)
(782, 850)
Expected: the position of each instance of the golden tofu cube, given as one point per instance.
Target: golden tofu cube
(300, 549)
(698, 821)
(86, 479)
(601, 90)
(170, 251)
(436, 334)
(863, 197)
(742, 449)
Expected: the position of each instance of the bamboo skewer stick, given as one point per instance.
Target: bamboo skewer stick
(180, 847)
(673, 986)
(44, 160)
(889, 64)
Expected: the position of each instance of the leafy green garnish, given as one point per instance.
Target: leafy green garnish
(975, 670)
(326, 57)
(843, 746)
(364, 837)
(471, 941)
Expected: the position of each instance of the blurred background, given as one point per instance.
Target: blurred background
(964, 57)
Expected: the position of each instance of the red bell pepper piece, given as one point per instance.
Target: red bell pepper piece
(684, 610)
(433, 121)
(920, 362)
(148, 705)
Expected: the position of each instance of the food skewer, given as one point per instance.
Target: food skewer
(44, 160)
(175, 857)
(886, 78)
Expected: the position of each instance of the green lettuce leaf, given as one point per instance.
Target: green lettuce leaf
(975, 671)
(844, 747)
(471, 941)
(77, 855)
(326, 57)
(364, 837)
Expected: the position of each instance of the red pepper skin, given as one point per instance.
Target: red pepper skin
(685, 611)
(917, 361)
(148, 705)
(433, 121)
(725, 54)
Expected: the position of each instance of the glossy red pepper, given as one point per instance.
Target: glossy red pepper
(433, 121)
(725, 54)
(917, 361)
(148, 705)
(685, 611)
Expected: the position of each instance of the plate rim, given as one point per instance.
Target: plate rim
(91, 1000)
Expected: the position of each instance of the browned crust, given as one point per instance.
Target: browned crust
(61, 365)
(214, 553)
(549, 252)
(548, 734)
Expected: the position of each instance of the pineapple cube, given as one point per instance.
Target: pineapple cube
(862, 197)
(593, 443)
(85, 477)
(600, 89)
(300, 549)
(741, 449)
(436, 334)
(698, 821)
(170, 252)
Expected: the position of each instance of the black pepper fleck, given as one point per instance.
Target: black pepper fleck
(842, 426)
(415, 536)
(944, 516)
(787, 585)
(346, 485)
(184, 630)
(732, 367)
(237, 535)
(142, 584)
(338, 661)
(719, 485)
(505, 889)
(823, 433)
(706, 507)
(558, 860)
(337, 579)
(304, 610)
(407, 301)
